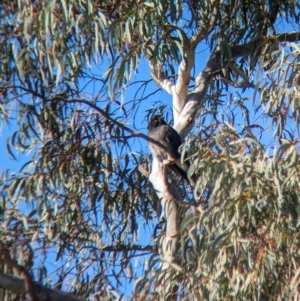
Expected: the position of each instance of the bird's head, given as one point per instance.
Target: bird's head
(156, 121)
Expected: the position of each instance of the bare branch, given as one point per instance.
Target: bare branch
(203, 30)
(184, 72)
(183, 80)
(167, 193)
(123, 248)
(188, 62)
(160, 79)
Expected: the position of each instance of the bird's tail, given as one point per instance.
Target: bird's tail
(182, 172)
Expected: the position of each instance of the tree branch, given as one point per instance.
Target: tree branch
(187, 63)
(17, 285)
(123, 248)
(183, 80)
(184, 72)
(214, 63)
(159, 78)
(134, 134)
(105, 115)
(204, 30)
(28, 282)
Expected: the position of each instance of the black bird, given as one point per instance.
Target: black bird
(160, 131)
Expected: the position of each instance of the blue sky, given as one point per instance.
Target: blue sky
(137, 121)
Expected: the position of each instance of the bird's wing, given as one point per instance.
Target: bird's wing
(172, 137)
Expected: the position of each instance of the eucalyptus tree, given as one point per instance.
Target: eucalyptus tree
(73, 216)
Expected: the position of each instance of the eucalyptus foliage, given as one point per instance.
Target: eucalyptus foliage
(74, 215)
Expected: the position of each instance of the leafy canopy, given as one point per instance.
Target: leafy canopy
(80, 200)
